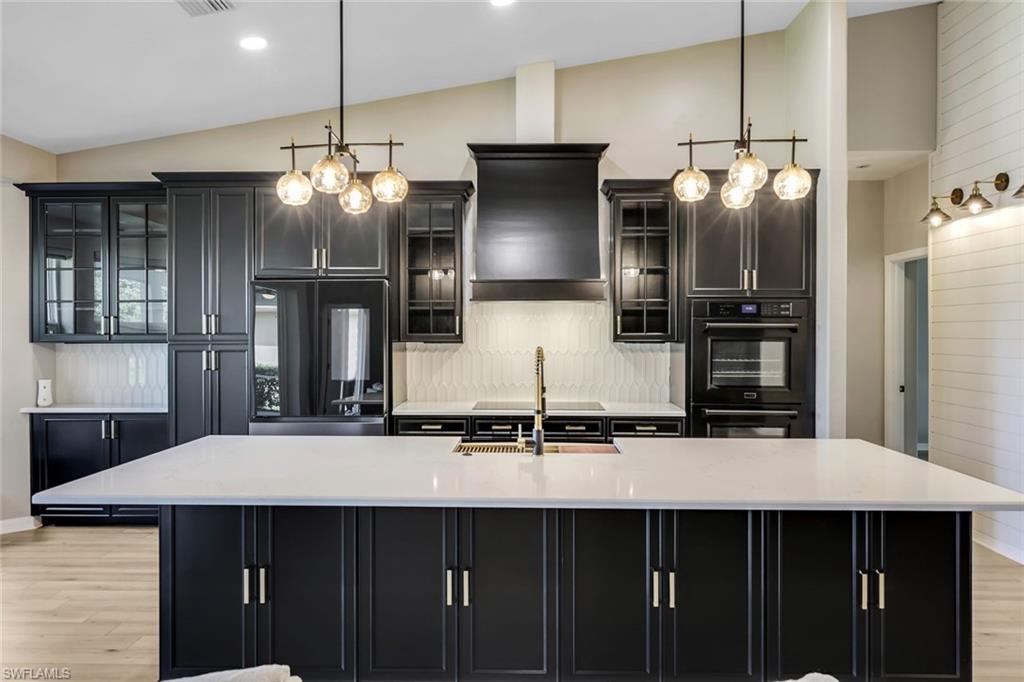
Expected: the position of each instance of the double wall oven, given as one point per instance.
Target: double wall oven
(752, 371)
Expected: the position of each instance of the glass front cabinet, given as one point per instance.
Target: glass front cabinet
(99, 262)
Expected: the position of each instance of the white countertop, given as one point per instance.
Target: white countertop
(648, 474)
(71, 408)
(465, 407)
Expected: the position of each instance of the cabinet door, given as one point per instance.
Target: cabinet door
(138, 271)
(287, 237)
(816, 620)
(305, 590)
(357, 245)
(207, 604)
(189, 393)
(713, 617)
(921, 606)
(716, 246)
(407, 594)
(231, 230)
(431, 264)
(68, 447)
(610, 626)
(781, 245)
(644, 268)
(71, 265)
(188, 213)
(508, 562)
(134, 436)
(229, 397)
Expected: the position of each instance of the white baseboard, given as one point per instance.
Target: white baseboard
(18, 524)
(999, 547)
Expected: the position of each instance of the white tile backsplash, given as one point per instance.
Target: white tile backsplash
(112, 374)
(495, 361)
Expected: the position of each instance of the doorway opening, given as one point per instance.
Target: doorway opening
(906, 352)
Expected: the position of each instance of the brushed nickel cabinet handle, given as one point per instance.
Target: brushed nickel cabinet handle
(103, 325)
(465, 587)
(746, 278)
(881, 589)
(323, 259)
(655, 589)
(575, 427)
(431, 427)
(103, 429)
(316, 259)
(214, 323)
(245, 585)
(214, 360)
(263, 584)
(863, 590)
(113, 429)
(645, 427)
(618, 324)
(501, 427)
(206, 361)
(671, 589)
(206, 324)
(755, 279)
(449, 588)
(457, 324)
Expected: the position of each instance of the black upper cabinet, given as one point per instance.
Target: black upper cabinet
(320, 239)
(507, 621)
(407, 594)
(209, 390)
(644, 260)
(920, 627)
(431, 271)
(610, 588)
(99, 262)
(210, 253)
(714, 589)
(766, 249)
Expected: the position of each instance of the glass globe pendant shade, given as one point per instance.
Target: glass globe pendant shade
(329, 175)
(792, 182)
(736, 197)
(691, 184)
(356, 198)
(390, 186)
(294, 188)
(748, 171)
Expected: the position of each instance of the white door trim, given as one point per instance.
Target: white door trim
(895, 340)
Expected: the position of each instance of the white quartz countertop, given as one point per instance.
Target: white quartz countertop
(648, 474)
(465, 407)
(71, 408)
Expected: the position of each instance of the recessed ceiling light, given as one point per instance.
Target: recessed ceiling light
(501, 3)
(253, 43)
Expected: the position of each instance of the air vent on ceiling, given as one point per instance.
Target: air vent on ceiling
(199, 8)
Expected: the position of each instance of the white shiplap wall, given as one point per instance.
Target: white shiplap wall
(976, 273)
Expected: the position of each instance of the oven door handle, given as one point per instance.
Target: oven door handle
(793, 326)
(745, 413)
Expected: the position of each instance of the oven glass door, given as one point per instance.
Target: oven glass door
(749, 362)
(751, 423)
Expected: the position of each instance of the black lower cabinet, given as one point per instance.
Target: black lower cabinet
(816, 617)
(713, 620)
(610, 585)
(920, 606)
(134, 436)
(209, 392)
(407, 594)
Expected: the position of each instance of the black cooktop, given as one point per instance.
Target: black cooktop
(562, 405)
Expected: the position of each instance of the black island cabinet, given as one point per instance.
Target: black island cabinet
(400, 593)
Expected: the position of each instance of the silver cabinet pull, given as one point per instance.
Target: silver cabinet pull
(214, 360)
(863, 590)
(323, 259)
(655, 589)
(645, 427)
(103, 325)
(465, 587)
(755, 279)
(206, 361)
(103, 429)
(671, 589)
(501, 427)
(113, 428)
(449, 587)
(746, 278)
(618, 324)
(214, 320)
(430, 427)
(206, 324)
(881, 589)
(245, 585)
(575, 427)
(316, 259)
(263, 584)
(457, 324)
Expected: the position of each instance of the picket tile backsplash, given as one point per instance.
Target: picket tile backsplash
(128, 374)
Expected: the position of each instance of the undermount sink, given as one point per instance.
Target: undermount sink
(467, 448)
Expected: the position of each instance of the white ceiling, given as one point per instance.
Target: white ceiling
(81, 74)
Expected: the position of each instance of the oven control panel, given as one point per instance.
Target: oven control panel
(737, 309)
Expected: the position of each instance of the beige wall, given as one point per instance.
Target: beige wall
(906, 201)
(893, 63)
(864, 317)
(21, 362)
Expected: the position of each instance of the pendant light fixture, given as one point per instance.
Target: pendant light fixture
(329, 175)
(747, 173)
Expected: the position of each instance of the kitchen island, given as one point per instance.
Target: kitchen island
(387, 558)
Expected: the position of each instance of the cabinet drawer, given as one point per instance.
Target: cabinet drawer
(73, 510)
(569, 428)
(135, 512)
(427, 426)
(501, 428)
(647, 427)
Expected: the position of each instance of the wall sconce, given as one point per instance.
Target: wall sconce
(935, 215)
(976, 202)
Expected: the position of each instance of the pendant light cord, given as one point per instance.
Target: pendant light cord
(341, 71)
(743, 16)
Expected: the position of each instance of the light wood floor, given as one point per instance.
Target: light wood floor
(86, 599)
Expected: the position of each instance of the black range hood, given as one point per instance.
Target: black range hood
(536, 226)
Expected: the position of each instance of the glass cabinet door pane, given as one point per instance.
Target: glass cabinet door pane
(157, 218)
(131, 252)
(157, 290)
(88, 218)
(59, 252)
(88, 252)
(88, 318)
(60, 285)
(156, 318)
(157, 252)
(131, 285)
(131, 318)
(60, 317)
(749, 363)
(131, 219)
(442, 215)
(89, 285)
(59, 219)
